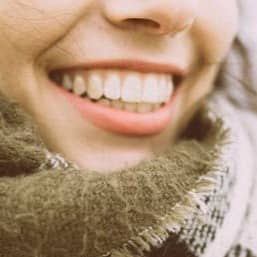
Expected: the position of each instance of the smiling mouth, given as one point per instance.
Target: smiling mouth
(131, 100)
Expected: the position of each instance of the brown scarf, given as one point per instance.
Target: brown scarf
(172, 205)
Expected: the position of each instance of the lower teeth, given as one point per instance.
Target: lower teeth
(121, 105)
(132, 107)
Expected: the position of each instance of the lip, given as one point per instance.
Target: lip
(122, 121)
(135, 65)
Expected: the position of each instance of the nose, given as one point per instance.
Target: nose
(159, 17)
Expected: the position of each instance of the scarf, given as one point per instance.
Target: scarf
(194, 199)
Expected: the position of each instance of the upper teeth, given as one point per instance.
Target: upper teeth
(127, 86)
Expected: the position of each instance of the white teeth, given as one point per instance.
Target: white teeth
(162, 88)
(144, 107)
(112, 87)
(131, 90)
(79, 85)
(150, 89)
(95, 86)
(170, 88)
(67, 82)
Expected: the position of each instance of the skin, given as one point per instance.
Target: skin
(39, 35)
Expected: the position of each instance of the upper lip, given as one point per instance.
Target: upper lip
(135, 65)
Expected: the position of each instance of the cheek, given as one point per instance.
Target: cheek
(215, 28)
(32, 26)
(192, 94)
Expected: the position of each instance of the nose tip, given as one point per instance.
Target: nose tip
(159, 17)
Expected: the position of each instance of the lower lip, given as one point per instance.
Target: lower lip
(122, 121)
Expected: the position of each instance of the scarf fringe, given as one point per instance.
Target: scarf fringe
(155, 237)
(193, 206)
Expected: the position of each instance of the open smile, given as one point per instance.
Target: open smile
(127, 97)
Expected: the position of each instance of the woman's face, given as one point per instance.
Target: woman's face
(112, 82)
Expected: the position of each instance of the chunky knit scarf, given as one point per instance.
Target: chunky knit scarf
(195, 199)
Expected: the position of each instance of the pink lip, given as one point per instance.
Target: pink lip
(122, 121)
(136, 65)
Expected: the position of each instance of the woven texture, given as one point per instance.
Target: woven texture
(238, 81)
(182, 194)
(178, 203)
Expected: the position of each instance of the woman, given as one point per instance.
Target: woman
(115, 138)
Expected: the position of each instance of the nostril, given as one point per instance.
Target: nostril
(142, 22)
